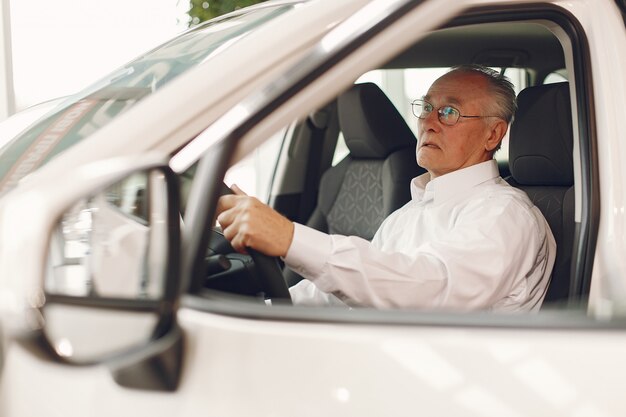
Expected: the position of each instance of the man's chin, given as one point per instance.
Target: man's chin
(426, 154)
(425, 163)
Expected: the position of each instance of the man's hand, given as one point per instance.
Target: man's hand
(246, 222)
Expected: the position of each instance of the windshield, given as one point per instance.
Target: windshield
(96, 106)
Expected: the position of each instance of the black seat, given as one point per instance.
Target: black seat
(357, 194)
(541, 164)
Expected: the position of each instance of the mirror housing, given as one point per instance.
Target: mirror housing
(103, 286)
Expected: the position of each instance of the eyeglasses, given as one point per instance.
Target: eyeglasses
(447, 115)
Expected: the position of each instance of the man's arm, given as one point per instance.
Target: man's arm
(496, 257)
(360, 274)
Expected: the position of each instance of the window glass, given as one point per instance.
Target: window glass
(96, 106)
(254, 173)
(519, 78)
(341, 150)
(555, 77)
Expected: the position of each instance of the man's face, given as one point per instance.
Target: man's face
(441, 148)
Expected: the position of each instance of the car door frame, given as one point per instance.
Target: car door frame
(319, 66)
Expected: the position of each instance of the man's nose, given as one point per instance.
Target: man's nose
(430, 122)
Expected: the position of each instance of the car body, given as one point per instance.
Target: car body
(101, 305)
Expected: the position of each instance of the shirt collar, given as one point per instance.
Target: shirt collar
(453, 184)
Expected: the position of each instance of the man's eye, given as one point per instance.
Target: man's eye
(448, 111)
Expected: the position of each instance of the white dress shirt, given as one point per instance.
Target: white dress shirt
(467, 240)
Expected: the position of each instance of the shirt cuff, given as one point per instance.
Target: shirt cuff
(308, 252)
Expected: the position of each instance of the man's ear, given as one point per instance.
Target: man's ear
(496, 132)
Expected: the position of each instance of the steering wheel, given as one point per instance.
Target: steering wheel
(268, 271)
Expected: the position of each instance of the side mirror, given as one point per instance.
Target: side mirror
(110, 282)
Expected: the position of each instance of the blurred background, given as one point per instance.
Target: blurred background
(55, 48)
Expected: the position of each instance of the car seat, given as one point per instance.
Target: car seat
(373, 180)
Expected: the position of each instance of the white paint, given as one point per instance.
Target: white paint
(7, 96)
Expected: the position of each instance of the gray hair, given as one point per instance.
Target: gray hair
(500, 86)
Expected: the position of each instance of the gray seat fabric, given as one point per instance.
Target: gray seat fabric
(541, 164)
(357, 194)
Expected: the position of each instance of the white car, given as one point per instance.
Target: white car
(119, 297)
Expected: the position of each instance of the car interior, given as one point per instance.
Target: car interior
(348, 165)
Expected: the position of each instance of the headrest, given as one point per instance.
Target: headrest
(540, 145)
(371, 125)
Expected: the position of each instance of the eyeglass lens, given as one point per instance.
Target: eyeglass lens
(446, 114)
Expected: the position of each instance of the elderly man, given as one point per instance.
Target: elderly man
(466, 240)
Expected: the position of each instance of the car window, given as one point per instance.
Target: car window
(402, 85)
(95, 107)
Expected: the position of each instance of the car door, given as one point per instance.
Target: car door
(465, 364)
(241, 357)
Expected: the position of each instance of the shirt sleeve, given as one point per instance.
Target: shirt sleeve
(481, 262)
(356, 272)
(305, 293)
